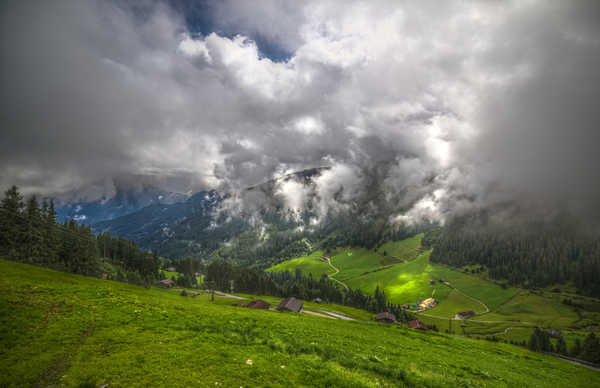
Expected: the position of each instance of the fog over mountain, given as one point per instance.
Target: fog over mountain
(420, 109)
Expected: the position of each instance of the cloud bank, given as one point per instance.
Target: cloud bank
(428, 108)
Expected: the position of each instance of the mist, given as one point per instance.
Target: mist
(421, 110)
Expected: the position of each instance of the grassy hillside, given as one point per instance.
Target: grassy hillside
(512, 315)
(308, 264)
(69, 330)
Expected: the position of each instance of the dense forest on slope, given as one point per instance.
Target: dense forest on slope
(529, 253)
(29, 233)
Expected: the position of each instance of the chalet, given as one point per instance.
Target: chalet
(432, 282)
(385, 317)
(290, 304)
(554, 333)
(416, 324)
(464, 315)
(427, 303)
(166, 283)
(318, 300)
(258, 304)
(171, 269)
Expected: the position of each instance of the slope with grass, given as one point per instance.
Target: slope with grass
(512, 315)
(311, 264)
(69, 330)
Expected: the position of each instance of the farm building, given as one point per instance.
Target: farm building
(554, 333)
(385, 317)
(258, 304)
(171, 269)
(416, 324)
(464, 314)
(291, 304)
(166, 283)
(427, 303)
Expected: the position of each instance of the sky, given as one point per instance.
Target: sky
(432, 106)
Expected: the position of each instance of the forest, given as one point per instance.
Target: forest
(531, 254)
(30, 234)
(226, 277)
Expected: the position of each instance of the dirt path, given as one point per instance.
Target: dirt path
(337, 315)
(317, 314)
(487, 310)
(336, 272)
(224, 295)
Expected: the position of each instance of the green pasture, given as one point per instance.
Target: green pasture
(66, 330)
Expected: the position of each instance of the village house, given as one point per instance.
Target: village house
(464, 315)
(427, 303)
(166, 283)
(290, 304)
(416, 324)
(385, 317)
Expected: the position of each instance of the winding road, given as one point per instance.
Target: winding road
(336, 272)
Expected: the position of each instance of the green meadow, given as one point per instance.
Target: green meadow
(311, 264)
(505, 312)
(67, 330)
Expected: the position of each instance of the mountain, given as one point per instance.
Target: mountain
(157, 219)
(105, 201)
(249, 227)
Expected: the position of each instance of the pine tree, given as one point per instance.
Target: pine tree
(12, 225)
(33, 232)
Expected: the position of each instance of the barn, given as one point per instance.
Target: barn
(290, 304)
(385, 317)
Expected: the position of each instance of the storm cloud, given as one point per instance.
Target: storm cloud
(433, 107)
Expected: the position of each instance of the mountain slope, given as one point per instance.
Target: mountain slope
(71, 330)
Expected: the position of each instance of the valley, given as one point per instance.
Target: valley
(70, 330)
(503, 313)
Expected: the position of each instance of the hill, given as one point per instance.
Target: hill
(70, 330)
(505, 313)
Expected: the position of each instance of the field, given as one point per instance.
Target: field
(67, 330)
(505, 312)
(311, 264)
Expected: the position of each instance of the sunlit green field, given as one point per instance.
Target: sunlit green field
(66, 330)
(311, 264)
(513, 312)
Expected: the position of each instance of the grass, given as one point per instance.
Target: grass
(67, 330)
(456, 302)
(311, 264)
(407, 281)
(403, 283)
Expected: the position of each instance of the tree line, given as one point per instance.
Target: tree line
(29, 233)
(589, 350)
(532, 254)
(223, 276)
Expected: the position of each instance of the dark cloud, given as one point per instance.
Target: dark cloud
(431, 108)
